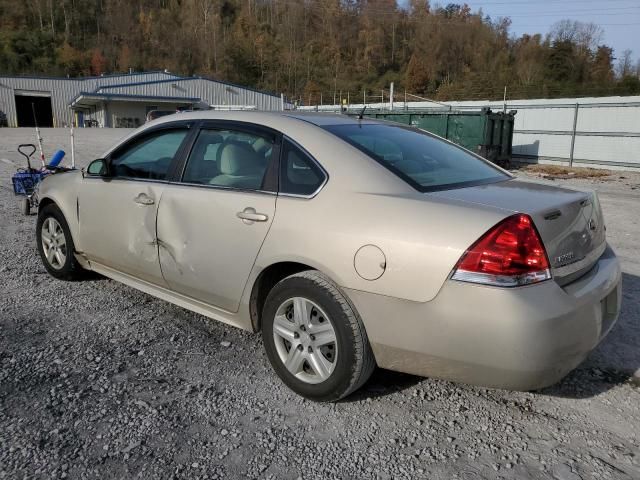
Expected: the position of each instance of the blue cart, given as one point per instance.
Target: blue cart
(26, 180)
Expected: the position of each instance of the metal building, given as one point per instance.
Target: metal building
(121, 100)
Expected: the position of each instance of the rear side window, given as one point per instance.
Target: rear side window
(422, 160)
(229, 158)
(299, 174)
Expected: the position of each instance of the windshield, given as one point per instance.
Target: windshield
(424, 161)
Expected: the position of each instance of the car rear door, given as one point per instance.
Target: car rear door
(117, 214)
(212, 222)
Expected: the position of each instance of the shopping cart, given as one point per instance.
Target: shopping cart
(26, 180)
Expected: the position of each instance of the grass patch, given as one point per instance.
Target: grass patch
(558, 171)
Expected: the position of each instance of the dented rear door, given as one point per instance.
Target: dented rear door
(206, 250)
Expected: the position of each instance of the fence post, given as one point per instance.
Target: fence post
(573, 133)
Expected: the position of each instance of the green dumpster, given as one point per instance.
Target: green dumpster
(487, 133)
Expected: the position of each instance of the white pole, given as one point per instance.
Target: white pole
(73, 149)
(282, 102)
(504, 109)
(391, 97)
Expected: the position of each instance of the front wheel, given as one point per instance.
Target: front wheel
(314, 338)
(55, 244)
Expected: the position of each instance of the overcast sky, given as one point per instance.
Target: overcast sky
(620, 19)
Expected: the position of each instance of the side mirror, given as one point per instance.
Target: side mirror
(98, 168)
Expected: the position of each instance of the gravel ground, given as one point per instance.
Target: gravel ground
(98, 380)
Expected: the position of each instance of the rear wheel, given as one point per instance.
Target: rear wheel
(55, 244)
(314, 338)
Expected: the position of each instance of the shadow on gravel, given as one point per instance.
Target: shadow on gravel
(616, 359)
(383, 382)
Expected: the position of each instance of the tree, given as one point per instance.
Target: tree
(98, 62)
(602, 70)
(306, 47)
(625, 64)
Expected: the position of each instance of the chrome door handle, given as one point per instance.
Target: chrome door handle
(143, 199)
(249, 215)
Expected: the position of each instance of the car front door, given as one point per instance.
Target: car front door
(117, 212)
(211, 224)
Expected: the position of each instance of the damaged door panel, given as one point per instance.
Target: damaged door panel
(209, 239)
(117, 226)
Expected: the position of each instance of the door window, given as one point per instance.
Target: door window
(299, 174)
(228, 158)
(148, 158)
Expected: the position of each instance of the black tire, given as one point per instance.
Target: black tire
(70, 269)
(354, 360)
(25, 206)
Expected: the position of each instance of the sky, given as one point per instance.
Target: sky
(620, 19)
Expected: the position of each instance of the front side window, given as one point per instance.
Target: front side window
(148, 158)
(228, 158)
(422, 160)
(299, 174)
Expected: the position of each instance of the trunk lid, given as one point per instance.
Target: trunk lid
(570, 222)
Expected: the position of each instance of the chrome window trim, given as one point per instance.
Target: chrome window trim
(220, 187)
(126, 179)
(315, 162)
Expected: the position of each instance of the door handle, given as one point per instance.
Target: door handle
(249, 215)
(143, 199)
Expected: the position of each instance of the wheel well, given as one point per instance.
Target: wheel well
(44, 202)
(267, 279)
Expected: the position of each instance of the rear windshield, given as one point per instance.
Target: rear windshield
(423, 160)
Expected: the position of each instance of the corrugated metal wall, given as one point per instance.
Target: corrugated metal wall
(210, 91)
(63, 90)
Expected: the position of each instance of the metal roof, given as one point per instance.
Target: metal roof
(178, 79)
(92, 98)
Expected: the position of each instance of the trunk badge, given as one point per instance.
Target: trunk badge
(565, 258)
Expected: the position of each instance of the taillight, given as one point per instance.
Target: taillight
(509, 255)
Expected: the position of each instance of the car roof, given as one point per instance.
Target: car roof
(266, 117)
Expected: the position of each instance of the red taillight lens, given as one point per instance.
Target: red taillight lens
(510, 254)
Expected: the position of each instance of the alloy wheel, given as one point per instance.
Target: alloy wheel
(54, 243)
(305, 340)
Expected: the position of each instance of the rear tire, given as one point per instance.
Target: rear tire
(55, 244)
(320, 348)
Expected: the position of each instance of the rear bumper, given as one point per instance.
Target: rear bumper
(522, 338)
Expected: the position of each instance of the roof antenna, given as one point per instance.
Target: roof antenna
(360, 115)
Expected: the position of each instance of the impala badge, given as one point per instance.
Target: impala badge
(565, 258)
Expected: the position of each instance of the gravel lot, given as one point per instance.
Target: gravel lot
(98, 380)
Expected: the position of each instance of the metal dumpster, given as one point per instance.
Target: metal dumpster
(487, 133)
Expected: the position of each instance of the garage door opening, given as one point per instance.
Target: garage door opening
(41, 107)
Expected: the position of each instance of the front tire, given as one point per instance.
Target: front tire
(55, 244)
(314, 338)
